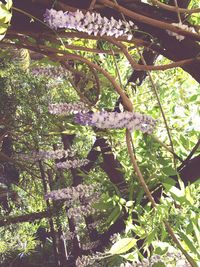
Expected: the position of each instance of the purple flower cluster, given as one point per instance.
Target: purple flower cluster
(85, 260)
(78, 212)
(53, 72)
(90, 260)
(46, 155)
(91, 23)
(71, 193)
(90, 245)
(68, 164)
(74, 196)
(65, 108)
(129, 120)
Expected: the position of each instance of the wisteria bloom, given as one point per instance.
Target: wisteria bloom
(54, 72)
(90, 245)
(90, 23)
(46, 155)
(78, 212)
(68, 108)
(113, 120)
(72, 164)
(71, 193)
(85, 260)
(183, 27)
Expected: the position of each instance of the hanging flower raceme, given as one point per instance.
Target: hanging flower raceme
(54, 72)
(91, 23)
(183, 27)
(129, 120)
(71, 193)
(72, 164)
(78, 212)
(46, 155)
(65, 108)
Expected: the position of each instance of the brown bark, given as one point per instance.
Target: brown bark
(173, 49)
(9, 220)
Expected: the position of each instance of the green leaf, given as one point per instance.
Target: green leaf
(122, 201)
(129, 204)
(102, 206)
(189, 243)
(169, 171)
(197, 233)
(193, 98)
(132, 256)
(69, 132)
(161, 247)
(5, 17)
(151, 237)
(159, 264)
(168, 183)
(9, 4)
(3, 27)
(178, 195)
(122, 246)
(113, 216)
(4, 13)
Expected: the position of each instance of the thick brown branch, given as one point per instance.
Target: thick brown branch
(174, 9)
(25, 218)
(147, 20)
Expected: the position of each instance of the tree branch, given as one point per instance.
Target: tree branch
(148, 20)
(174, 9)
(26, 217)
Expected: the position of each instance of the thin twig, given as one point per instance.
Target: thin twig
(167, 148)
(160, 106)
(146, 67)
(92, 5)
(178, 12)
(173, 9)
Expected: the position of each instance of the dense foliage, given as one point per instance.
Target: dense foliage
(80, 192)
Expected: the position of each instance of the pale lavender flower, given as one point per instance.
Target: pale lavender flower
(183, 27)
(54, 72)
(45, 155)
(182, 263)
(65, 108)
(94, 224)
(78, 212)
(55, 19)
(85, 261)
(71, 193)
(129, 120)
(90, 245)
(68, 164)
(91, 23)
(155, 259)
